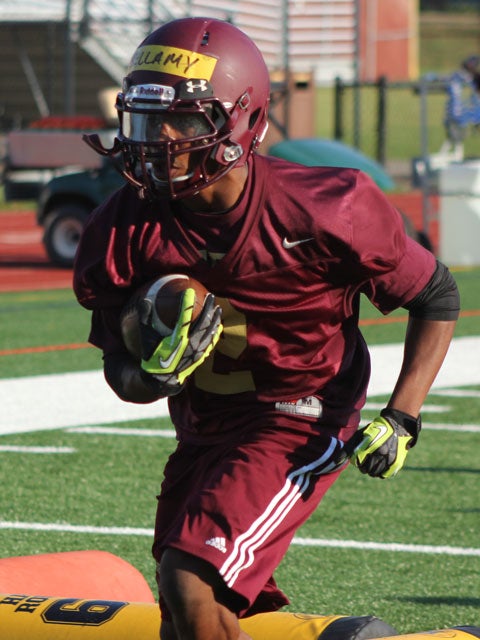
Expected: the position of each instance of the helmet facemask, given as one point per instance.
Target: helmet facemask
(202, 128)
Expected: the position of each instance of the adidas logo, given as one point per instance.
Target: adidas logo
(218, 543)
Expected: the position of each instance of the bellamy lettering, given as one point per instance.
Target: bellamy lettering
(178, 62)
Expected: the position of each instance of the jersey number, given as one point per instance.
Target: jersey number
(232, 344)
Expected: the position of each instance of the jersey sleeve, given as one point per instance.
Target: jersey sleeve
(383, 262)
(106, 268)
(103, 265)
(105, 331)
(398, 287)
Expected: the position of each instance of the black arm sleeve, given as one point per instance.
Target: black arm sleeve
(129, 381)
(439, 300)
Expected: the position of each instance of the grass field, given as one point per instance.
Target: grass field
(406, 550)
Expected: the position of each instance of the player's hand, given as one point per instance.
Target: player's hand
(380, 448)
(189, 344)
(163, 385)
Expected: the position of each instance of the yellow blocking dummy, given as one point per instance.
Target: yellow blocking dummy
(24, 617)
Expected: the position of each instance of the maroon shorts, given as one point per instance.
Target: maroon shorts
(238, 505)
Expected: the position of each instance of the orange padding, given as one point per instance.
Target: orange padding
(77, 574)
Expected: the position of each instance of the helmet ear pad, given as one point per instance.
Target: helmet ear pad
(248, 130)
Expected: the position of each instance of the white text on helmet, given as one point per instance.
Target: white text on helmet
(146, 96)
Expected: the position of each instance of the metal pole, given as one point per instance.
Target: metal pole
(381, 122)
(286, 67)
(425, 174)
(31, 76)
(69, 69)
(338, 109)
(150, 17)
(356, 86)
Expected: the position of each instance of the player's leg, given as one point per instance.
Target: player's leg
(225, 518)
(192, 590)
(187, 584)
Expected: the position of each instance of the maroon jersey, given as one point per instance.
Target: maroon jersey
(287, 264)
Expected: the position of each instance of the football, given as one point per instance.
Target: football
(165, 296)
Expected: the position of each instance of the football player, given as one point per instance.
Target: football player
(286, 252)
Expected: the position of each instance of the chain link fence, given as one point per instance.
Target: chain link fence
(396, 123)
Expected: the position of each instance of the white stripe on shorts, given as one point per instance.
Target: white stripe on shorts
(282, 503)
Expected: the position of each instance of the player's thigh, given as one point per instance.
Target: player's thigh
(242, 508)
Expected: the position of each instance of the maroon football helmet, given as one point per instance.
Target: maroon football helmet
(208, 80)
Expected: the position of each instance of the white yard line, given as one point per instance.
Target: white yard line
(442, 426)
(76, 528)
(170, 433)
(459, 428)
(461, 367)
(44, 402)
(457, 393)
(427, 408)
(11, 448)
(303, 542)
(39, 403)
(125, 431)
(388, 546)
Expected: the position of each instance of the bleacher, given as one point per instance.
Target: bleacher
(56, 55)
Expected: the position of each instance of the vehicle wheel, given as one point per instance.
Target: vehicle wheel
(63, 227)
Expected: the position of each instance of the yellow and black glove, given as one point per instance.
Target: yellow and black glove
(380, 448)
(173, 358)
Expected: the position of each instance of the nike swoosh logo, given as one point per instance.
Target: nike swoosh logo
(168, 361)
(382, 430)
(287, 244)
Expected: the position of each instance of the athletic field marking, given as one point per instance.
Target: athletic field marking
(53, 347)
(84, 399)
(73, 528)
(456, 393)
(170, 433)
(388, 546)
(440, 426)
(118, 431)
(427, 408)
(469, 313)
(395, 547)
(459, 428)
(80, 398)
(12, 448)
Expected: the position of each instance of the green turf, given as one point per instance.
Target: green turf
(44, 318)
(468, 283)
(411, 592)
(112, 481)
